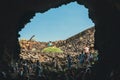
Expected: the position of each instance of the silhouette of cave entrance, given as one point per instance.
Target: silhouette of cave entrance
(65, 18)
(104, 13)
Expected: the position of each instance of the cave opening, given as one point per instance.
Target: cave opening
(59, 25)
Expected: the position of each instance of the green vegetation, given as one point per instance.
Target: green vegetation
(52, 50)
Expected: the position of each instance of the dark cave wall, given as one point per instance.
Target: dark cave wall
(107, 41)
(105, 14)
(9, 18)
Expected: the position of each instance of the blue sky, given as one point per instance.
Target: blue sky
(57, 24)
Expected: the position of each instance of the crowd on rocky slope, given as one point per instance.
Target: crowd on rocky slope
(73, 48)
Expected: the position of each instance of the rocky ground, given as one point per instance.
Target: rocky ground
(32, 50)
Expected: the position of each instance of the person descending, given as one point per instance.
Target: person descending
(25, 70)
(69, 61)
(38, 70)
(54, 63)
(91, 59)
(81, 58)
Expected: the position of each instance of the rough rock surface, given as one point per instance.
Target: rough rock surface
(32, 50)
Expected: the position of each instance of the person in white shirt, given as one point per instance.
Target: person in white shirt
(86, 49)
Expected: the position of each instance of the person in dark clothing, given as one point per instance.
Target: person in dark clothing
(69, 61)
(38, 70)
(81, 58)
(25, 70)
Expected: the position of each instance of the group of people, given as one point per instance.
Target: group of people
(85, 58)
(23, 70)
(26, 69)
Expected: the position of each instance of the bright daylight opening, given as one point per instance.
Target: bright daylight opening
(58, 24)
(58, 40)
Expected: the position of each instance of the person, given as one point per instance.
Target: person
(38, 70)
(59, 66)
(50, 44)
(95, 56)
(81, 58)
(54, 62)
(3, 76)
(91, 61)
(25, 70)
(69, 61)
(20, 73)
(86, 49)
(87, 74)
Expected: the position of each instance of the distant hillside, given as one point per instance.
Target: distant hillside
(76, 42)
(87, 31)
